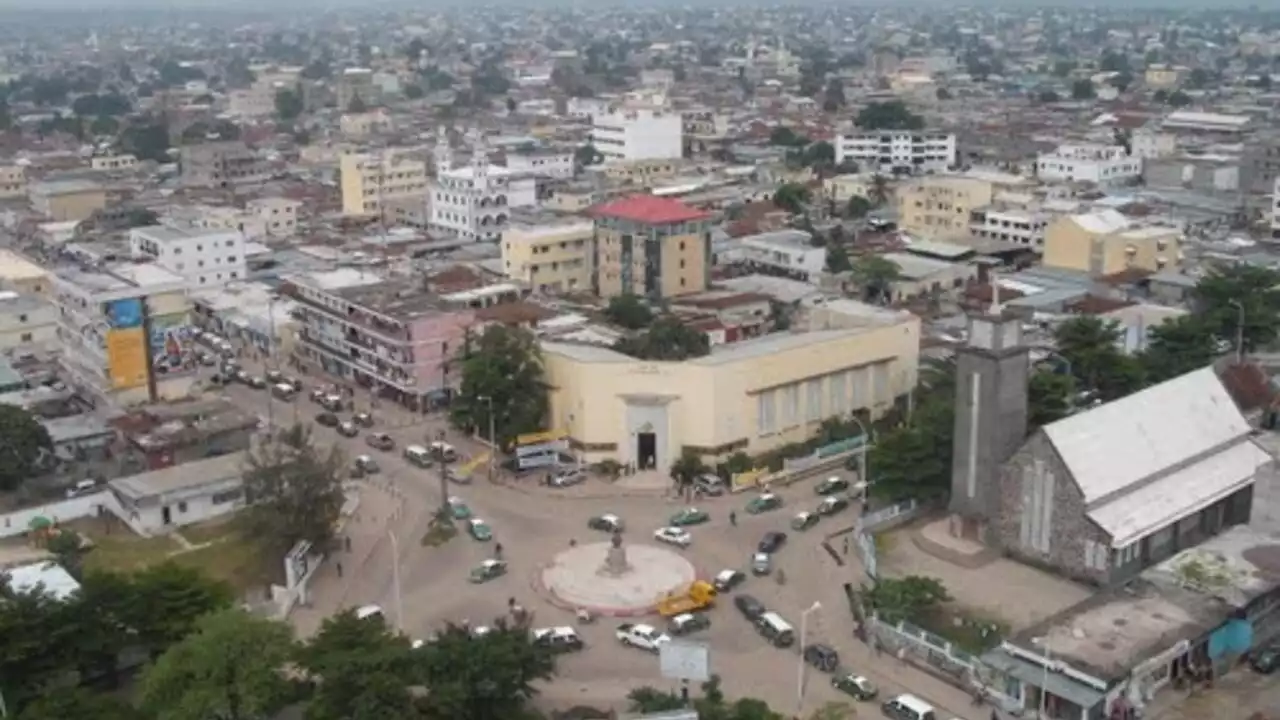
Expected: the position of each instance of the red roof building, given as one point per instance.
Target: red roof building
(649, 210)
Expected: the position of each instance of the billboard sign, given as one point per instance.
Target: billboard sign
(540, 455)
(124, 314)
(539, 438)
(172, 345)
(127, 358)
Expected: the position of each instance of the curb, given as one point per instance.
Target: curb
(603, 611)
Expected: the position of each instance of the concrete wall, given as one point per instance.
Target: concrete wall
(18, 522)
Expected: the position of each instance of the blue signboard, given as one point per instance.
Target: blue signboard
(125, 314)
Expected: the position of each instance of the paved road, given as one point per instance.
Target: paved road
(534, 523)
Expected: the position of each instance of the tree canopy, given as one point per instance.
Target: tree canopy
(667, 338)
(791, 197)
(288, 104)
(712, 705)
(875, 275)
(629, 311)
(891, 115)
(294, 490)
(501, 371)
(1092, 347)
(907, 598)
(26, 444)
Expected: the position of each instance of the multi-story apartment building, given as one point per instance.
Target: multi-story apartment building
(19, 274)
(279, 216)
(898, 151)
(113, 163)
(27, 322)
(474, 202)
(204, 257)
(789, 253)
(62, 200)
(125, 332)
(1107, 242)
(1021, 225)
(1099, 164)
(13, 181)
(371, 179)
(222, 164)
(638, 133)
(550, 255)
(356, 87)
(939, 207)
(651, 246)
(541, 162)
(363, 124)
(393, 337)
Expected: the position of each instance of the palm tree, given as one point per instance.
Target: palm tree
(879, 190)
(686, 470)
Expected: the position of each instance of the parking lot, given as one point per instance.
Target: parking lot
(534, 523)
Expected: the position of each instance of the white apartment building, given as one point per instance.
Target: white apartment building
(638, 134)
(1010, 224)
(583, 109)
(475, 202)
(252, 102)
(27, 322)
(1095, 163)
(279, 216)
(369, 179)
(113, 163)
(547, 163)
(900, 151)
(784, 252)
(204, 257)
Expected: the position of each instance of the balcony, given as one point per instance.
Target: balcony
(390, 332)
(375, 367)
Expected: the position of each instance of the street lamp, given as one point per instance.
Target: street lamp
(1239, 330)
(862, 452)
(395, 579)
(1043, 642)
(493, 444)
(437, 452)
(800, 667)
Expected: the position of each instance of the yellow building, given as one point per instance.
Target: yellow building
(938, 207)
(638, 173)
(67, 199)
(13, 181)
(840, 188)
(651, 246)
(573, 199)
(370, 179)
(751, 396)
(18, 274)
(552, 256)
(1107, 242)
(1163, 77)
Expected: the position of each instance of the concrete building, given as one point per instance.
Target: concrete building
(202, 257)
(161, 500)
(19, 274)
(391, 336)
(474, 202)
(786, 253)
(113, 163)
(371, 179)
(1160, 76)
(364, 124)
(551, 255)
(542, 162)
(258, 101)
(27, 322)
(940, 207)
(356, 87)
(1107, 242)
(651, 246)
(1024, 226)
(1102, 165)
(1204, 173)
(1219, 124)
(840, 188)
(638, 134)
(279, 216)
(222, 164)
(126, 332)
(751, 396)
(898, 151)
(13, 182)
(1149, 144)
(64, 200)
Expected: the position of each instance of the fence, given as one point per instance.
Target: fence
(19, 522)
(925, 650)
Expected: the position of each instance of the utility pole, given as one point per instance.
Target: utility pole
(437, 450)
(493, 445)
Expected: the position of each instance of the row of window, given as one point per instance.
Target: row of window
(779, 409)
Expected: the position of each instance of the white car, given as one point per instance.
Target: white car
(673, 536)
(645, 637)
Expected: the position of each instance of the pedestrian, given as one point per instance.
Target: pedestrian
(995, 715)
(339, 568)
(733, 518)
(347, 541)
(497, 551)
(846, 546)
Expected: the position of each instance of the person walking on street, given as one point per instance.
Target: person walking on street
(339, 569)
(497, 551)
(733, 518)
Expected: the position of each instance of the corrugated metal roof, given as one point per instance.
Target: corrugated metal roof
(1122, 442)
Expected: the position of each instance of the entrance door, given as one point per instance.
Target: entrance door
(646, 449)
(165, 516)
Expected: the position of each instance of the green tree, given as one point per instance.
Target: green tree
(503, 372)
(647, 699)
(1048, 96)
(629, 311)
(907, 598)
(357, 105)
(80, 704)
(786, 137)
(857, 207)
(232, 668)
(587, 155)
(481, 678)
(876, 275)
(891, 115)
(837, 259)
(1083, 90)
(26, 446)
(879, 190)
(147, 139)
(38, 652)
(1092, 347)
(942, 94)
(1198, 79)
(821, 154)
(169, 601)
(666, 339)
(414, 91)
(293, 488)
(1230, 293)
(1179, 99)
(1063, 68)
(288, 104)
(687, 469)
(1049, 397)
(365, 671)
(68, 548)
(1177, 347)
(913, 460)
(791, 197)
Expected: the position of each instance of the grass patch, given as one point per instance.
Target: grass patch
(439, 534)
(975, 633)
(229, 557)
(209, 532)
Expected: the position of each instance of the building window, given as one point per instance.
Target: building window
(182, 506)
(791, 405)
(223, 498)
(25, 337)
(813, 400)
(766, 419)
(22, 318)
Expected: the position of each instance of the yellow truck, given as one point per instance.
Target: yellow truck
(700, 595)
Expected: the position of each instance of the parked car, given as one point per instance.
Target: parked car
(274, 376)
(645, 637)
(761, 564)
(327, 419)
(568, 478)
(673, 536)
(480, 530)
(84, 487)
(832, 485)
(689, 516)
(750, 607)
(727, 580)
(855, 686)
(317, 394)
(831, 505)
(688, 623)
(608, 522)
(363, 419)
(804, 520)
(558, 639)
(763, 502)
(709, 485)
(772, 542)
(348, 429)
(366, 465)
(822, 656)
(1265, 660)
(458, 508)
(488, 570)
(380, 441)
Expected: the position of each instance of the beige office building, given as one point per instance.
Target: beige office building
(1107, 242)
(550, 256)
(651, 246)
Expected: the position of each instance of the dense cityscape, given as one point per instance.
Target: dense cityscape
(721, 362)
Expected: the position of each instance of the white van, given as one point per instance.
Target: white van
(418, 455)
(284, 391)
(909, 707)
(775, 629)
(445, 450)
(368, 611)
